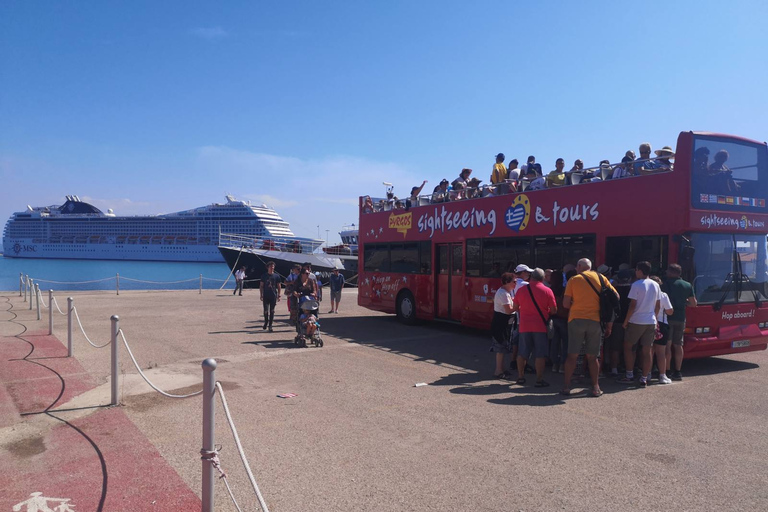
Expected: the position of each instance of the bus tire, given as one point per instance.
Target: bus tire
(405, 307)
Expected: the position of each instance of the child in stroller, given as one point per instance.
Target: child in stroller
(307, 327)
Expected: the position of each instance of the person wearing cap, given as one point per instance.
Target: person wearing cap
(269, 287)
(645, 165)
(440, 194)
(522, 275)
(337, 284)
(664, 155)
(413, 200)
(499, 172)
(582, 299)
(556, 178)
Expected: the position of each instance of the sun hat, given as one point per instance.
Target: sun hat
(665, 151)
(604, 269)
(523, 268)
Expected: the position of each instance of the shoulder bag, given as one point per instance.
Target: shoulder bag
(547, 323)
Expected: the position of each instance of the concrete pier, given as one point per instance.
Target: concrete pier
(359, 435)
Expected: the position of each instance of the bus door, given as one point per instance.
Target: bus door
(449, 281)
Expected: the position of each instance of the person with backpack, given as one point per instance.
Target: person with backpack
(587, 297)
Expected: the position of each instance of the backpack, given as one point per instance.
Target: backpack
(610, 307)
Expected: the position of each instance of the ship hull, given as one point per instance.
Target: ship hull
(255, 261)
(21, 248)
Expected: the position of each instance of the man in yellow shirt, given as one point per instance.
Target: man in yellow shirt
(556, 178)
(584, 330)
(499, 173)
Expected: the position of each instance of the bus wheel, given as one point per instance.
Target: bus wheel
(406, 308)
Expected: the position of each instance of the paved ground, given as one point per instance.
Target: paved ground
(359, 436)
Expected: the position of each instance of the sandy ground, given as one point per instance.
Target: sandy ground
(361, 437)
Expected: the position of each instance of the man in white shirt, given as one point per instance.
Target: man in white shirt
(239, 280)
(640, 322)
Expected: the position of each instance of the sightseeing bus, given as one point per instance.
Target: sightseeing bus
(443, 261)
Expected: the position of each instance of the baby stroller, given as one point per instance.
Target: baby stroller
(307, 326)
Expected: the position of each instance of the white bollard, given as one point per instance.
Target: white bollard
(21, 283)
(115, 329)
(117, 283)
(31, 291)
(37, 299)
(201, 284)
(26, 284)
(209, 425)
(50, 312)
(69, 326)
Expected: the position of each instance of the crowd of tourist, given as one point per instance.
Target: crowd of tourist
(555, 318)
(507, 179)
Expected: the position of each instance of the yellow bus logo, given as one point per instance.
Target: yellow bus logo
(402, 222)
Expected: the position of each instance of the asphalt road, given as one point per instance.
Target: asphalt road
(361, 437)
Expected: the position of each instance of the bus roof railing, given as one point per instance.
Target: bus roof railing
(600, 172)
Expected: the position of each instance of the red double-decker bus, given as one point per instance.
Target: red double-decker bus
(442, 261)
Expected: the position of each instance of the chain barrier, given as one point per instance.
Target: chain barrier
(73, 282)
(122, 335)
(240, 449)
(74, 310)
(57, 307)
(157, 282)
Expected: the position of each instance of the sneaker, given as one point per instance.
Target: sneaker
(663, 379)
(643, 383)
(676, 375)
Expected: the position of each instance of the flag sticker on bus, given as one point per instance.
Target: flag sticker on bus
(518, 214)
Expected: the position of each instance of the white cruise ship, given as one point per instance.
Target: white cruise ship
(78, 230)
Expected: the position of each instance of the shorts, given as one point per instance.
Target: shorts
(336, 296)
(533, 342)
(676, 331)
(664, 330)
(615, 342)
(642, 334)
(584, 333)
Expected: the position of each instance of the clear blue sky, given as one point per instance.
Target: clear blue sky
(151, 107)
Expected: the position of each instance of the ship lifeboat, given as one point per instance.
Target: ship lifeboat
(341, 249)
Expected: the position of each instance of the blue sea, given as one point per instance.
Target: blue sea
(102, 275)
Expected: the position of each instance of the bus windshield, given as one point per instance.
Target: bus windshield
(718, 260)
(729, 175)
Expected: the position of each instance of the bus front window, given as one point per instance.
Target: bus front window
(729, 267)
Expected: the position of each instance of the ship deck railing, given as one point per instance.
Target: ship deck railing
(281, 244)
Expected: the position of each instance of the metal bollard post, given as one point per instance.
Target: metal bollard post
(28, 289)
(117, 283)
(115, 329)
(31, 291)
(209, 389)
(201, 284)
(37, 299)
(50, 312)
(69, 326)
(21, 283)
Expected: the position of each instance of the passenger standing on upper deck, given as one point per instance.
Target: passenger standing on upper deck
(531, 170)
(440, 194)
(556, 178)
(413, 200)
(582, 298)
(640, 323)
(681, 296)
(645, 166)
(513, 173)
(499, 172)
(463, 179)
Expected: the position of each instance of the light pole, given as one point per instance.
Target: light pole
(326, 237)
